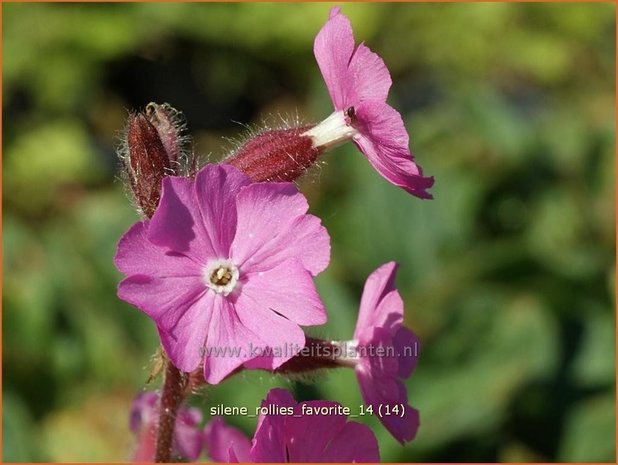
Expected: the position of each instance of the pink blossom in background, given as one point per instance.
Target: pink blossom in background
(226, 265)
(225, 443)
(188, 439)
(358, 82)
(295, 436)
(380, 325)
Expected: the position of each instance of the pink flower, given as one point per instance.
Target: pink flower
(388, 353)
(188, 438)
(224, 443)
(358, 83)
(225, 269)
(293, 432)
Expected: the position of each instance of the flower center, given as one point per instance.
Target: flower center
(221, 276)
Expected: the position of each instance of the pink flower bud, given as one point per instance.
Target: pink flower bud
(276, 155)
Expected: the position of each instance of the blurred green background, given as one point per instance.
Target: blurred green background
(508, 275)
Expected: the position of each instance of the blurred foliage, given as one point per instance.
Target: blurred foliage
(508, 275)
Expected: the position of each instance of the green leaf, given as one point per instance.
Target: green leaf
(590, 432)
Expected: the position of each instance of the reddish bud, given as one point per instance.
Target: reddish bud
(276, 155)
(169, 124)
(152, 150)
(146, 163)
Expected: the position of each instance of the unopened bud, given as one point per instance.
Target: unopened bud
(152, 150)
(146, 163)
(276, 155)
(169, 123)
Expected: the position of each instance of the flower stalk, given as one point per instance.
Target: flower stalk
(171, 397)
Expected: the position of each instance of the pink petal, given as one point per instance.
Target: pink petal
(307, 436)
(408, 346)
(353, 443)
(229, 342)
(269, 438)
(143, 410)
(370, 77)
(403, 428)
(276, 396)
(278, 338)
(311, 244)
(184, 342)
(303, 438)
(145, 448)
(378, 284)
(165, 300)
(272, 227)
(187, 441)
(384, 141)
(233, 458)
(161, 283)
(380, 357)
(378, 390)
(189, 417)
(216, 187)
(137, 255)
(389, 313)
(177, 223)
(220, 439)
(188, 437)
(333, 48)
(351, 75)
(288, 289)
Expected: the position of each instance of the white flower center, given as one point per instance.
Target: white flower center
(221, 276)
(334, 130)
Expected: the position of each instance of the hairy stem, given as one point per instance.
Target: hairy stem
(171, 397)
